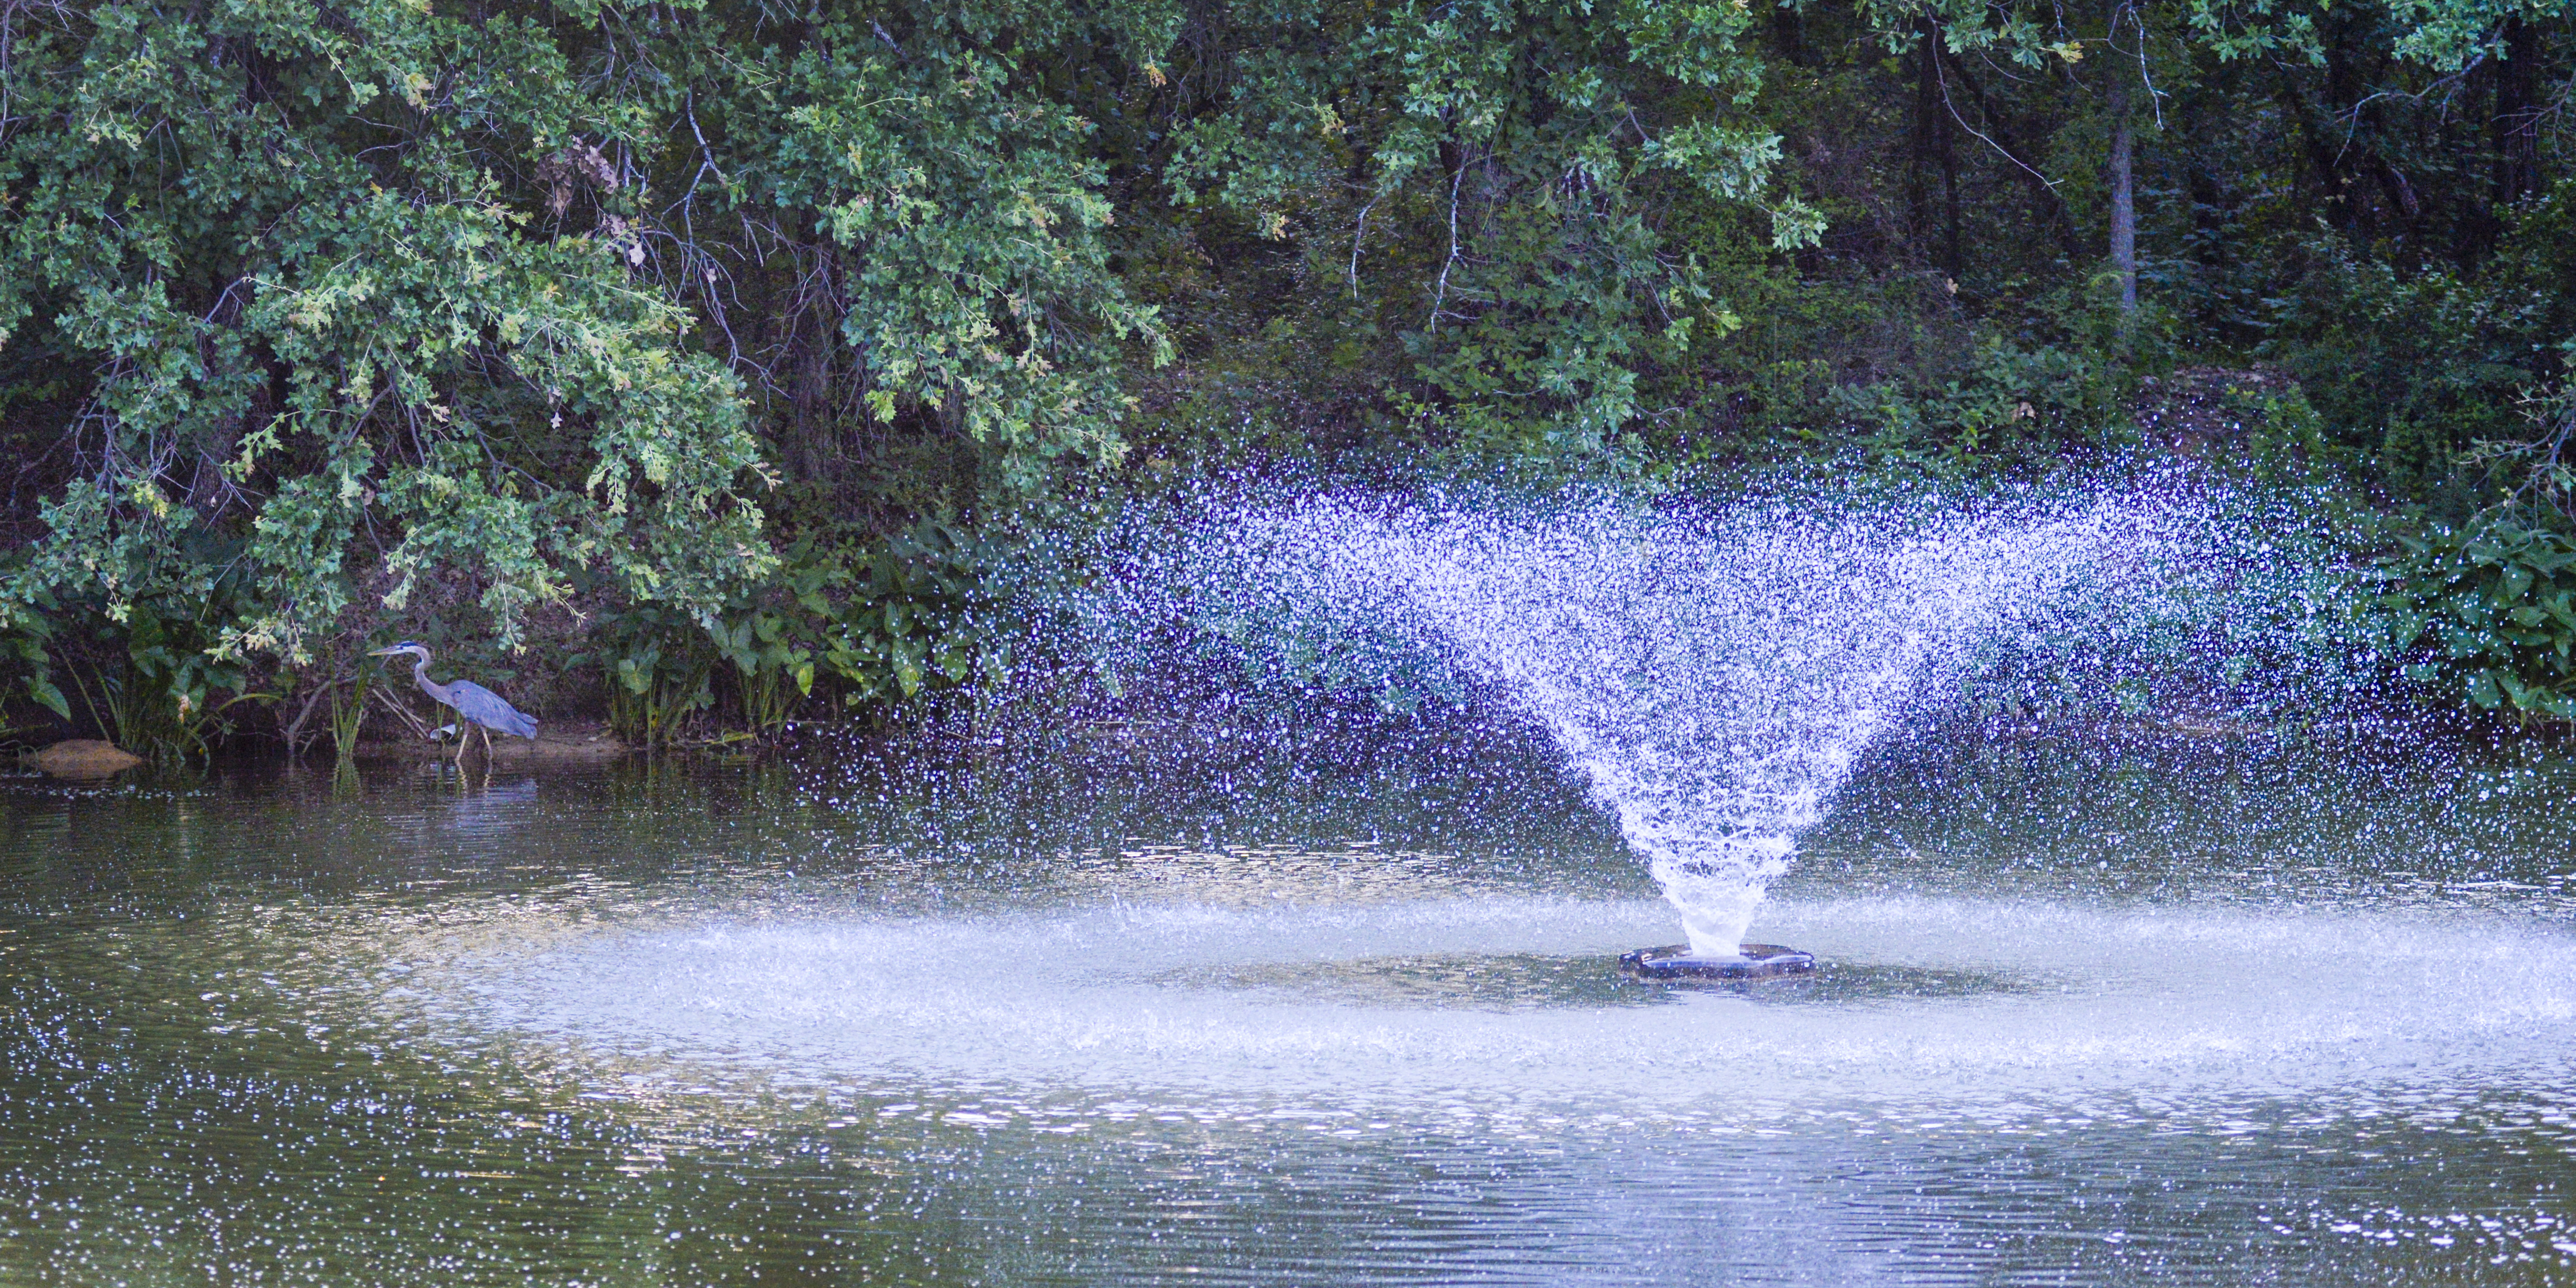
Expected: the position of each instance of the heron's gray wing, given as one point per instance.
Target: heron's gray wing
(486, 708)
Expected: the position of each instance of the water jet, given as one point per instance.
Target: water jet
(1713, 675)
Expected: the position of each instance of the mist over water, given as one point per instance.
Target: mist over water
(1713, 674)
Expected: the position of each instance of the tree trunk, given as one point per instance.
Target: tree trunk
(1933, 146)
(2517, 114)
(1951, 254)
(2124, 206)
(1789, 33)
(1918, 187)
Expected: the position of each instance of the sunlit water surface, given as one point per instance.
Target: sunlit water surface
(2094, 1010)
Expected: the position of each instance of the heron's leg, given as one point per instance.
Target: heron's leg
(487, 745)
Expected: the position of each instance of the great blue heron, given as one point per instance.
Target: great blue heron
(482, 708)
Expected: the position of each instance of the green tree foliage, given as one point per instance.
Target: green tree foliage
(1494, 181)
(317, 320)
(366, 295)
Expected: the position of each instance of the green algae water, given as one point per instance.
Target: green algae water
(1148, 1007)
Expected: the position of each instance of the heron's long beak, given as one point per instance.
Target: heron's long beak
(382, 652)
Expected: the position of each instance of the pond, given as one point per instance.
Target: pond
(2112, 1008)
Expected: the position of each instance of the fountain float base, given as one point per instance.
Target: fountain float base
(1675, 964)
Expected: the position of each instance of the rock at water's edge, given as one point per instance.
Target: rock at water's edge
(84, 758)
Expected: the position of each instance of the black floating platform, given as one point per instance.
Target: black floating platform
(1674, 964)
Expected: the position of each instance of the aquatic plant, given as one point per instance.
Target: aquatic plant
(2487, 612)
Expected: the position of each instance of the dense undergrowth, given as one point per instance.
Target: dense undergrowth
(705, 366)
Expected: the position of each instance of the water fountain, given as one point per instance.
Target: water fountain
(1713, 674)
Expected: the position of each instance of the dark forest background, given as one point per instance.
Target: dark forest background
(697, 365)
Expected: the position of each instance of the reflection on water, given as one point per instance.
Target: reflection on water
(2090, 1012)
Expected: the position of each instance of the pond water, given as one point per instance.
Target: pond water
(2093, 1010)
